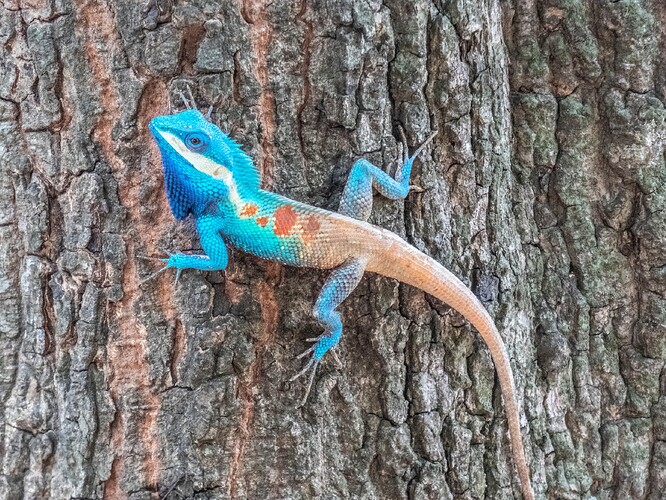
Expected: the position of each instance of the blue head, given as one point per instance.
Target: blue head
(201, 163)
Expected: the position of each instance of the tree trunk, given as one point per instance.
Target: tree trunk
(545, 192)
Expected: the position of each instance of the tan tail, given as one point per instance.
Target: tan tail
(404, 263)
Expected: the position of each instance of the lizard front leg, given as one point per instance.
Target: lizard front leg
(356, 199)
(215, 256)
(337, 288)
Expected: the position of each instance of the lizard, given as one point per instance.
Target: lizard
(210, 178)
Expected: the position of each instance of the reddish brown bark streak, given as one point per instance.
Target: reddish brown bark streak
(254, 12)
(126, 368)
(269, 314)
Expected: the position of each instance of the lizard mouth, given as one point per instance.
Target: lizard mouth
(159, 127)
(173, 141)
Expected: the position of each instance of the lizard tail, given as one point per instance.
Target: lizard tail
(405, 263)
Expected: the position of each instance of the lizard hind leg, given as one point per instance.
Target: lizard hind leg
(356, 199)
(337, 288)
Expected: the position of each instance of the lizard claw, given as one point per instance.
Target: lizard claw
(190, 103)
(167, 261)
(153, 275)
(304, 370)
(304, 354)
(415, 188)
(184, 99)
(191, 96)
(165, 251)
(164, 260)
(336, 358)
(145, 257)
(310, 364)
(152, 259)
(188, 100)
(424, 144)
(405, 147)
(317, 353)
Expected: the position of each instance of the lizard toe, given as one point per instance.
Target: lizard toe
(153, 275)
(310, 364)
(153, 259)
(305, 353)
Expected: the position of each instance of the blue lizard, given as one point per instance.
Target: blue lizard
(210, 178)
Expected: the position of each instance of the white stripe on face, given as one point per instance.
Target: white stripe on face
(205, 166)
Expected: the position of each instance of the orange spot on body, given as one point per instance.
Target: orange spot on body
(249, 209)
(310, 229)
(262, 221)
(285, 219)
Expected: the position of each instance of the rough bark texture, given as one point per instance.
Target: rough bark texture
(545, 192)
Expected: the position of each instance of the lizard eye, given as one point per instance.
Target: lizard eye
(196, 141)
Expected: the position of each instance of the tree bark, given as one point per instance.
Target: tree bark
(545, 192)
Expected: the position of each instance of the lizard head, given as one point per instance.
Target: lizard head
(201, 163)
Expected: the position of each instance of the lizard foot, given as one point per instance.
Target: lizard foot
(322, 344)
(168, 262)
(405, 147)
(310, 364)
